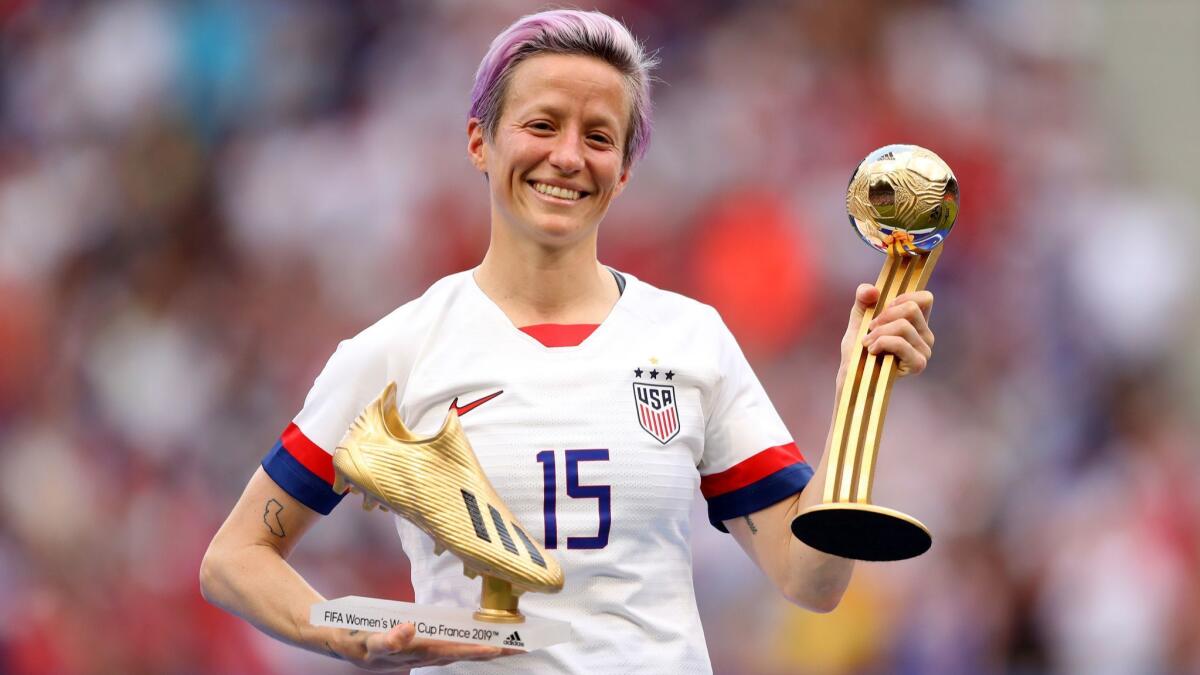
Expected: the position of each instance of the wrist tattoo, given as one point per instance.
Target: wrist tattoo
(329, 650)
(271, 518)
(753, 529)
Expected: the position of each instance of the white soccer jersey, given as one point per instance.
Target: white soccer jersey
(598, 448)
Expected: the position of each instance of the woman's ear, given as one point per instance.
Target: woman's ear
(476, 146)
(622, 181)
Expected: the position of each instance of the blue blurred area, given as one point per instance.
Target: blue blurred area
(198, 200)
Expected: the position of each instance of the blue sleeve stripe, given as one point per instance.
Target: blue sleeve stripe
(759, 494)
(309, 488)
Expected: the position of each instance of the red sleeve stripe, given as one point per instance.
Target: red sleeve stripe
(750, 470)
(308, 453)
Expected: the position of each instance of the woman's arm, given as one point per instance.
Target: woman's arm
(245, 569)
(245, 572)
(805, 576)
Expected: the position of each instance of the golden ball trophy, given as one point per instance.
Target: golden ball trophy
(902, 200)
(437, 484)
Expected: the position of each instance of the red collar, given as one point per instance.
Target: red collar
(561, 334)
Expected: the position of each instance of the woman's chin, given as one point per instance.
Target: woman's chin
(559, 232)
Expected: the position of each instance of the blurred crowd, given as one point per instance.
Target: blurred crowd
(199, 199)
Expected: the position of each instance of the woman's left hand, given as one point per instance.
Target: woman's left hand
(901, 329)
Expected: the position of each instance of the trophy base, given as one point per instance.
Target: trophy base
(861, 531)
(435, 622)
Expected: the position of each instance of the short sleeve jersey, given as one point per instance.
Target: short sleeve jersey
(598, 447)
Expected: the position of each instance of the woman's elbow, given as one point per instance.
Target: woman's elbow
(821, 598)
(821, 604)
(211, 574)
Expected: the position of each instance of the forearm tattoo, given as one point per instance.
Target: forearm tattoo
(753, 529)
(271, 518)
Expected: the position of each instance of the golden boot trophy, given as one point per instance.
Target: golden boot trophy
(437, 484)
(902, 200)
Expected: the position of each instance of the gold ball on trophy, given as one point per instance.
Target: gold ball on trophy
(903, 199)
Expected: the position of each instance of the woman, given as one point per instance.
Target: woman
(617, 399)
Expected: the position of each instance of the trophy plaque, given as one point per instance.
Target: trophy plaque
(902, 200)
(437, 484)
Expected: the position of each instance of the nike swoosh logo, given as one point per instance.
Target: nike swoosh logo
(463, 410)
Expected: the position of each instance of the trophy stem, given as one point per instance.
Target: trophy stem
(498, 602)
(854, 444)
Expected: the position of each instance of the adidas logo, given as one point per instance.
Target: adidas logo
(513, 640)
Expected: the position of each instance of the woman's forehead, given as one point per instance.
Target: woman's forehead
(567, 82)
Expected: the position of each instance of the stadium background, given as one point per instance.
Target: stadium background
(199, 199)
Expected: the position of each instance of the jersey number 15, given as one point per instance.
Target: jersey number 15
(601, 493)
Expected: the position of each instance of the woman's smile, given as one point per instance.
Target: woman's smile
(557, 194)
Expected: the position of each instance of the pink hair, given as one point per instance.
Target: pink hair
(567, 31)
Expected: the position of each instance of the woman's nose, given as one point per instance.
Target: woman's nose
(567, 155)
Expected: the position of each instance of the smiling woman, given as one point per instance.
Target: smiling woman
(554, 162)
(609, 401)
(560, 111)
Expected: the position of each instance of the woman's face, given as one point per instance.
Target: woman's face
(554, 164)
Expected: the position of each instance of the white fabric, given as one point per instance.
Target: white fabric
(631, 603)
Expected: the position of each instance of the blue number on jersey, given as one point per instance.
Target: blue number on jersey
(601, 493)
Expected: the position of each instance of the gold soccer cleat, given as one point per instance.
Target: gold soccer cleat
(438, 485)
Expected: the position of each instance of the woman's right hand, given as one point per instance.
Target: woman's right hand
(400, 648)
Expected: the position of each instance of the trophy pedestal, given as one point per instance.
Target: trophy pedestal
(862, 532)
(435, 622)
(498, 602)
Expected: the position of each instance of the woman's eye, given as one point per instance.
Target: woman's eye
(600, 138)
(541, 126)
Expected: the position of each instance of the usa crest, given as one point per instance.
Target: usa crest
(656, 410)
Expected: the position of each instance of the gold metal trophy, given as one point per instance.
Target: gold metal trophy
(437, 484)
(902, 200)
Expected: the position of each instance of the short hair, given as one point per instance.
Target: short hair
(567, 31)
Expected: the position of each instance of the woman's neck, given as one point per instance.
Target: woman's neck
(535, 284)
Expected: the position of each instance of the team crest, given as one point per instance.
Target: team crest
(656, 410)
